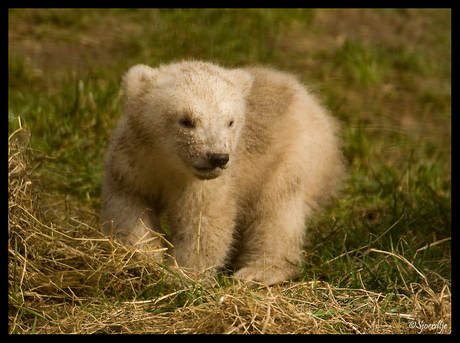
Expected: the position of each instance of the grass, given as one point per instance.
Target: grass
(377, 260)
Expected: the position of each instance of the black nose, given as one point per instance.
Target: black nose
(218, 160)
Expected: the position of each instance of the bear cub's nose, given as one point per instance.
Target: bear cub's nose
(218, 160)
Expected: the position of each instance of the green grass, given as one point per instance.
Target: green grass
(386, 74)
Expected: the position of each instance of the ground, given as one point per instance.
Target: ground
(379, 259)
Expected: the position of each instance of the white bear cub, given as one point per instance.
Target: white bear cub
(233, 161)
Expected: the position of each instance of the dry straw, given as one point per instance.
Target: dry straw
(64, 276)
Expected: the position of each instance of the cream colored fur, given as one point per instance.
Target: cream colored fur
(284, 160)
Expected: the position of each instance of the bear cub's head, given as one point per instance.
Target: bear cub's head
(189, 115)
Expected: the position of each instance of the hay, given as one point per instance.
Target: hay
(64, 276)
(67, 261)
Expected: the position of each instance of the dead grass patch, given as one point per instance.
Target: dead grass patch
(66, 277)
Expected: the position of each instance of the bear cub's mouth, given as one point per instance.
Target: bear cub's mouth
(207, 173)
(205, 169)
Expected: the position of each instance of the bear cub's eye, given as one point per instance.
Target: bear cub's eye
(187, 123)
(231, 123)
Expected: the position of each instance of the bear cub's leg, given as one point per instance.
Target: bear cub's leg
(272, 244)
(132, 220)
(202, 236)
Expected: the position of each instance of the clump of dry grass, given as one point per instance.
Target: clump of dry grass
(64, 276)
(49, 263)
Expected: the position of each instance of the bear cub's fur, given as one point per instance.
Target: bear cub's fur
(232, 160)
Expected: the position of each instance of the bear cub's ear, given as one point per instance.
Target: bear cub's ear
(242, 79)
(137, 79)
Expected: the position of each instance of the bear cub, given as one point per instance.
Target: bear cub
(233, 161)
